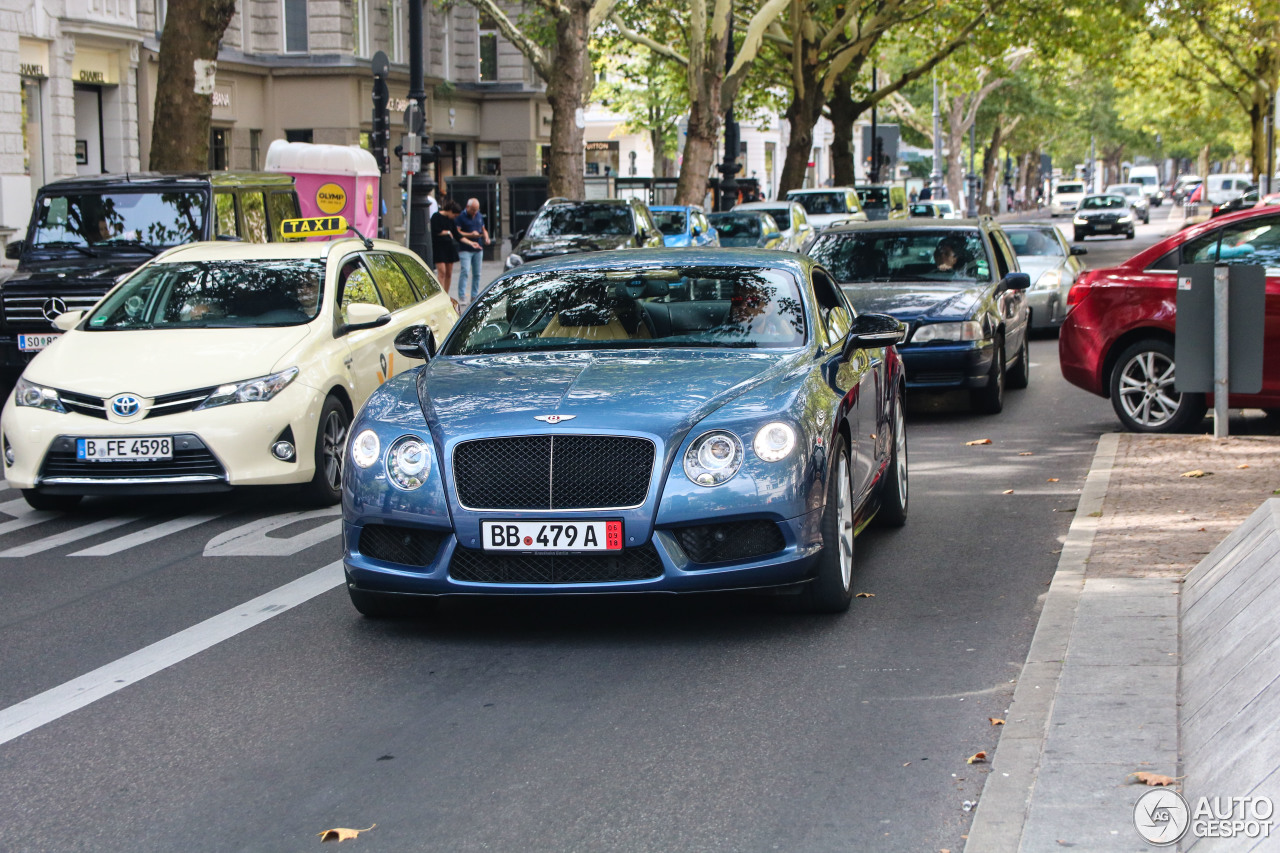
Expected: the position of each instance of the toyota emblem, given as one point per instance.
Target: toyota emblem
(52, 308)
(125, 405)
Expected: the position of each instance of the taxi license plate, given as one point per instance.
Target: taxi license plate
(124, 449)
(551, 535)
(35, 343)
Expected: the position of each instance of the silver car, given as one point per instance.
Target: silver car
(1138, 201)
(1053, 264)
(797, 233)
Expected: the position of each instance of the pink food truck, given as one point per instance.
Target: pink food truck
(332, 180)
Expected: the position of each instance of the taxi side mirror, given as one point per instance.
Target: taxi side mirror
(68, 320)
(416, 342)
(364, 315)
(13, 249)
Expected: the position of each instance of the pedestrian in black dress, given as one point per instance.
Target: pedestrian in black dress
(444, 243)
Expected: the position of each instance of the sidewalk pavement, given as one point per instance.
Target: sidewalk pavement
(1097, 699)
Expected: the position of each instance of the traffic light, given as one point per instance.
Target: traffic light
(380, 137)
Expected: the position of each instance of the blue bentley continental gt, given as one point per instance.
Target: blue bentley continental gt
(641, 421)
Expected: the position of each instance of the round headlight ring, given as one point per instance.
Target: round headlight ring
(774, 442)
(408, 462)
(365, 449)
(713, 458)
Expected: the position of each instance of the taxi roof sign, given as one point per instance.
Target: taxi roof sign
(315, 226)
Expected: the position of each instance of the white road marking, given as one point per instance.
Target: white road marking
(24, 516)
(75, 534)
(31, 714)
(149, 534)
(251, 540)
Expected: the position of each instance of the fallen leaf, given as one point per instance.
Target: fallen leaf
(977, 442)
(977, 758)
(1152, 779)
(1007, 492)
(996, 721)
(865, 595)
(944, 850)
(904, 765)
(1095, 515)
(1026, 453)
(1242, 466)
(341, 834)
(1052, 480)
(1201, 530)
(1197, 473)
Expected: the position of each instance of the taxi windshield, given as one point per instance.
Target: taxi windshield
(670, 222)
(129, 219)
(642, 308)
(214, 294)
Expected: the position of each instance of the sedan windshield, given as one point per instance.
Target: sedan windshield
(643, 308)
(916, 254)
(670, 222)
(1039, 242)
(737, 229)
(822, 203)
(874, 197)
(591, 220)
(1069, 188)
(221, 294)
(1103, 202)
(118, 219)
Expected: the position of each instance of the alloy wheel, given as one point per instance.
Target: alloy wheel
(1146, 389)
(900, 454)
(845, 531)
(335, 435)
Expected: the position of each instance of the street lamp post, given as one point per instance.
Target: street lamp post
(732, 146)
(421, 184)
(935, 177)
(972, 201)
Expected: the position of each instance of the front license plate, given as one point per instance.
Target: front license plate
(124, 449)
(552, 535)
(1102, 226)
(35, 343)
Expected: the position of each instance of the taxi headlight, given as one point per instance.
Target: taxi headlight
(967, 330)
(409, 462)
(250, 391)
(36, 396)
(774, 442)
(514, 260)
(713, 458)
(365, 449)
(1048, 280)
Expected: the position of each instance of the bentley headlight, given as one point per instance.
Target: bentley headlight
(365, 448)
(713, 458)
(409, 462)
(774, 442)
(967, 330)
(1048, 280)
(514, 260)
(250, 391)
(36, 396)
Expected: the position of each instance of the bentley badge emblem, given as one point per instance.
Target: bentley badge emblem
(553, 419)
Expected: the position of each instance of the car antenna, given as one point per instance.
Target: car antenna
(368, 244)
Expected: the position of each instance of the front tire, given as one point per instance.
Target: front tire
(893, 493)
(990, 400)
(1020, 376)
(1142, 391)
(325, 488)
(832, 589)
(50, 503)
(1077, 237)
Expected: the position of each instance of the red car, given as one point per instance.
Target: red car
(1117, 340)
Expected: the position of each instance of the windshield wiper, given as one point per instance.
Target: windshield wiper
(132, 244)
(67, 244)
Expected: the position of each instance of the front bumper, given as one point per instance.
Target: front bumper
(238, 438)
(947, 366)
(671, 571)
(1091, 230)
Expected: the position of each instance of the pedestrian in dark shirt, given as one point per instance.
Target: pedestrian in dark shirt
(470, 223)
(445, 241)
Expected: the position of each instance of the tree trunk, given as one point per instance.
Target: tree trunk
(990, 204)
(802, 114)
(1257, 132)
(700, 143)
(955, 151)
(566, 92)
(180, 132)
(844, 113)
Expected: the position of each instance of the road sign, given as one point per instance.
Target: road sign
(1194, 328)
(411, 163)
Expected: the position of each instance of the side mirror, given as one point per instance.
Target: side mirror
(872, 331)
(68, 320)
(517, 237)
(696, 231)
(364, 315)
(416, 342)
(13, 249)
(1079, 250)
(1016, 281)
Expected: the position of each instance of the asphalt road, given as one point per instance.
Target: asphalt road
(145, 706)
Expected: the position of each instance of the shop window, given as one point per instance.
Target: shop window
(360, 27)
(488, 49)
(254, 208)
(224, 207)
(218, 149)
(395, 30)
(295, 25)
(302, 135)
(32, 133)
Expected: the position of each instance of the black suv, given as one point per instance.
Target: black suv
(564, 227)
(85, 233)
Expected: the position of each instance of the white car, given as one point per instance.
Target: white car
(1138, 201)
(217, 365)
(1066, 198)
(947, 209)
(797, 233)
(829, 205)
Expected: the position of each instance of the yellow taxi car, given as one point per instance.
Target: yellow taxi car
(217, 365)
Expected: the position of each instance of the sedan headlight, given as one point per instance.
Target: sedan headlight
(713, 458)
(250, 391)
(967, 330)
(1125, 220)
(36, 396)
(514, 260)
(365, 449)
(409, 462)
(1048, 280)
(1079, 220)
(774, 442)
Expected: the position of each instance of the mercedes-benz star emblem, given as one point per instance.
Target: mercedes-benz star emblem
(553, 419)
(125, 405)
(52, 308)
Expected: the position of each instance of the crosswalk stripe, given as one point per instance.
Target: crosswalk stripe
(44, 708)
(148, 534)
(24, 516)
(75, 534)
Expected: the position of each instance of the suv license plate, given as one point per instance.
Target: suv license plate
(533, 536)
(124, 449)
(35, 343)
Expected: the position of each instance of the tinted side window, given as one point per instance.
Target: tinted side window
(392, 282)
(1254, 242)
(1202, 250)
(836, 318)
(254, 208)
(224, 220)
(424, 282)
(282, 207)
(355, 284)
(1003, 266)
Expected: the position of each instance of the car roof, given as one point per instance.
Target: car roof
(694, 207)
(724, 257)
(143, 180)
(980, 224)
(808, 190)
(234, 250)
(766, 205)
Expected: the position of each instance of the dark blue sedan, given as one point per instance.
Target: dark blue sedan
(643, 421)
(956, 286)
